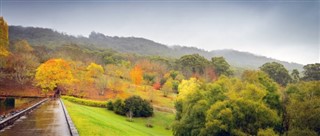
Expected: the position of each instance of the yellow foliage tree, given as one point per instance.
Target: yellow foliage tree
(94, 70)
(136, 75)
(53, 73)
(187, 87)
(4, 38)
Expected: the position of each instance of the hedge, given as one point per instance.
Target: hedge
(86, 102)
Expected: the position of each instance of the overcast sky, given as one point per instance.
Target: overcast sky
(286, 30)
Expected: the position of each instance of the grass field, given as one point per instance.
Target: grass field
(100, 122)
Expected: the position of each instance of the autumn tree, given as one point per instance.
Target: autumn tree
(4, 43)
(117, 86)
(101, 84)
(4, 38)
(94, 70)
(118, 71)
(167, 87)
(22, 62)
(53, 73)
(136, 75)
(277, 72)
(152, 67)
(81, 81)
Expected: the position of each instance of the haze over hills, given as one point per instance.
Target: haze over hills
(48, 37)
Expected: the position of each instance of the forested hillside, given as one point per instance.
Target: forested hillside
(51, 38)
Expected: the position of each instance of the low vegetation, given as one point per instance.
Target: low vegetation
(100, 122)
(85, 102)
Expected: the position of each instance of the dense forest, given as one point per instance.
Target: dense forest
(206, 90)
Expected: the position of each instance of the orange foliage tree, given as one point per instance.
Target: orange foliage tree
(136, 75)
(53, 73)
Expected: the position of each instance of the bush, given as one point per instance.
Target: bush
(110, 105)
(138, 106)
(119, 107)
(135, 104)
(85, 102)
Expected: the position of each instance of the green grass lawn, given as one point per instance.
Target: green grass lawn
(100, 121)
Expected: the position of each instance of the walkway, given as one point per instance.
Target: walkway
(48, 119)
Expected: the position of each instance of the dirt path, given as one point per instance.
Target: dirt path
(48, 120)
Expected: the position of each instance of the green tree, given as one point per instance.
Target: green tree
(295, 75)
(277, 72)
(192, 64)
(221, 66)
(303, 106)
(228, 106)
(138, 106)
(311, 72)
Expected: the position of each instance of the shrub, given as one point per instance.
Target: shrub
(85, 102)
(119, 107)
(138, 106)
(110, 105)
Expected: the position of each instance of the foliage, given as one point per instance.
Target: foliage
(117, 71)
(221, 66)
(167, 87)
(21, 46)
(138, 106)
(85, 101)
(101, 84)
(22, 62)
(228, 106)
(4, 38)
(311, 72)
(192, 63)
(187, 87)
(110, 105)
(267, 132)
(136, 75)
(53, 73)
(94, 70)
(116, 85)
(149, 78)
(277, 72)
(134, 104)
(303, 106)
(258, 78)
(295, 75)
(156, 86)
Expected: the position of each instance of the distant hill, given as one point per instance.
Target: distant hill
(48, 37)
